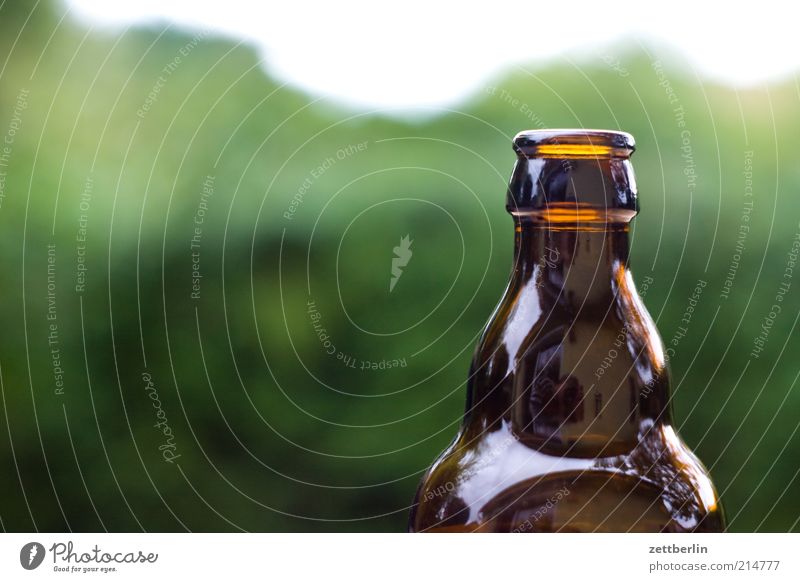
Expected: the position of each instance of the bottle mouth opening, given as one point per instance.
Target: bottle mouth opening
(574, 143)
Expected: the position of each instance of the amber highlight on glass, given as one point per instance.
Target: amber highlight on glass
(567, 425)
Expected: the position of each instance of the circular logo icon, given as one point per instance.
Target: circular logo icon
(31, 555)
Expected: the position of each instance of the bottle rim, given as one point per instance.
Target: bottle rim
(572, 143)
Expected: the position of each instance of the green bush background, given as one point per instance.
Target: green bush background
(273, 433)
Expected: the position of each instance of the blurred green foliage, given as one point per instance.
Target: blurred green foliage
(273, 432)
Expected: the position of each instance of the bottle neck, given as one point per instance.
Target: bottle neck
(570, 265)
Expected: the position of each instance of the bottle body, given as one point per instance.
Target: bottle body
(630, 493)
(567, 424)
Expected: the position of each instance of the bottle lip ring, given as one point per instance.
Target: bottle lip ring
(571, 143)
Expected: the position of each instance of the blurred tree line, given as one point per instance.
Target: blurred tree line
(196, 264)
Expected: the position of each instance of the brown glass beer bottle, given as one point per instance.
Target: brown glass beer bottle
(567, 424)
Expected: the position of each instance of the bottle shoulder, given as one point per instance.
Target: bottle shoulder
(530, 308)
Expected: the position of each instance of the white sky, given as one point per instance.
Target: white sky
(414, 52)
